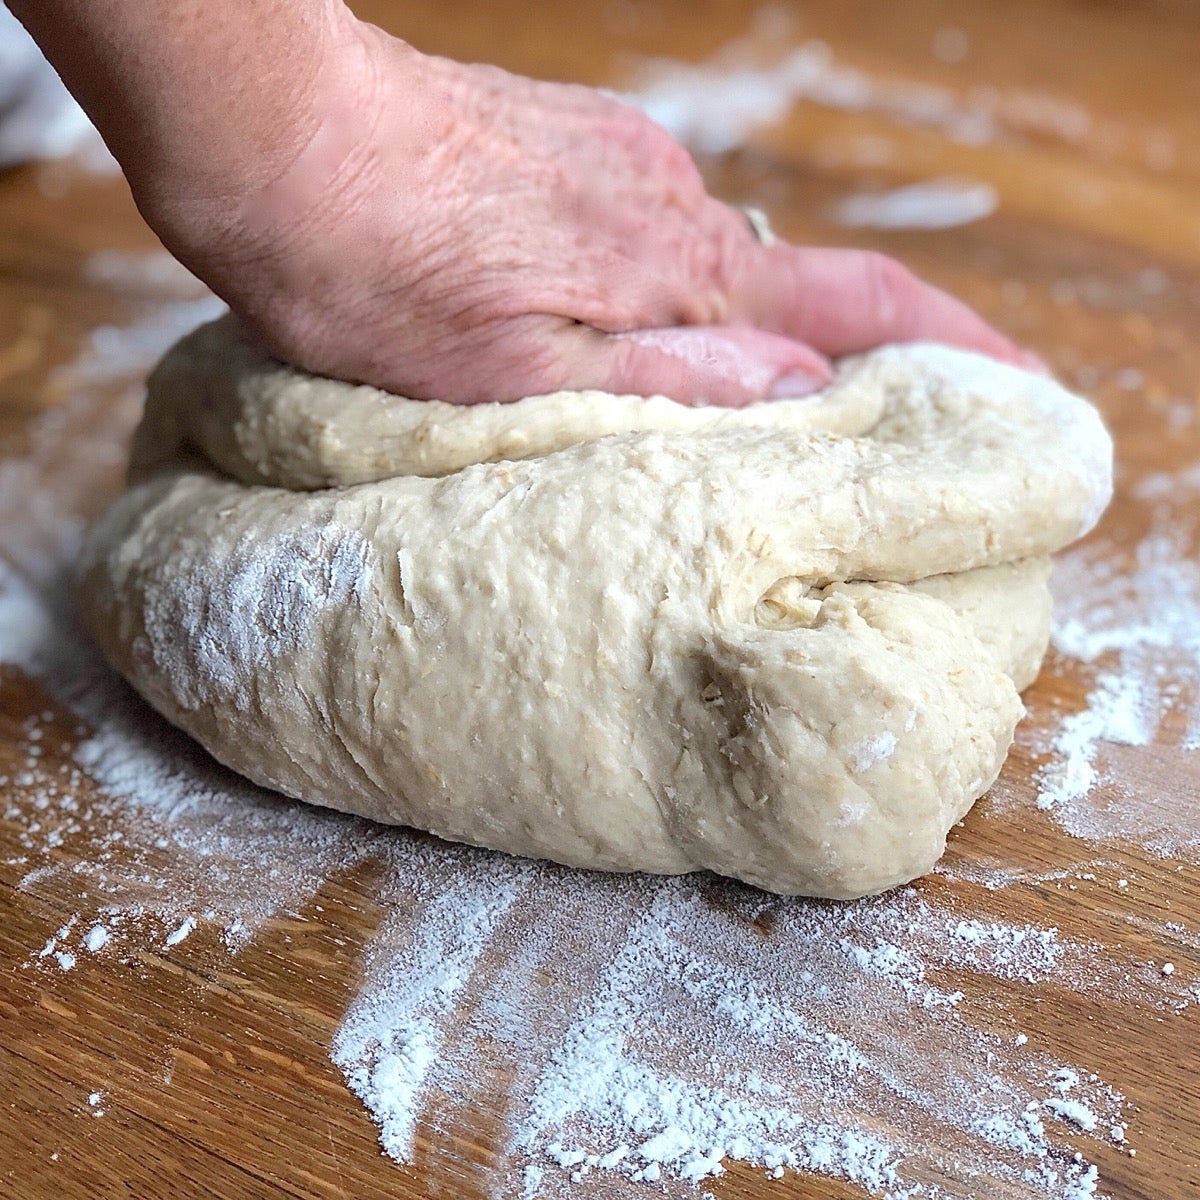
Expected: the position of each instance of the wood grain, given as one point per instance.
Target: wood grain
(216, 1069)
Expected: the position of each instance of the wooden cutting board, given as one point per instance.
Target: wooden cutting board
(1077, 133)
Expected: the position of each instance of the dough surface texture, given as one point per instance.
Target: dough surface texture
(783, 643)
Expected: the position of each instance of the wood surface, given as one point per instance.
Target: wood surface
(217, 1067)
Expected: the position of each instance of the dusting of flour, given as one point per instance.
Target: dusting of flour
(208, 644)
(719, 105)
(930, 204)
(1137, 630)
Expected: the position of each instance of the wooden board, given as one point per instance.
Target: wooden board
(213, 1068)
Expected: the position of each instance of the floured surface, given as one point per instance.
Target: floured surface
(640, 1030)
(1137, 633)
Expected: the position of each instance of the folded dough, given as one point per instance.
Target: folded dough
(783, 642)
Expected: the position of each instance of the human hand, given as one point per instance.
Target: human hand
(457, 232)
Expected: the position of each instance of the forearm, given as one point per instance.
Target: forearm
(195, 97)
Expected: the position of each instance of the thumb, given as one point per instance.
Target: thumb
(725, 365)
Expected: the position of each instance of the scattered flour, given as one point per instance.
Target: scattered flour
(865, 754)
(1138, 630)
(178, 934)
(932, 204)
(390, 1046)
(1074, 1111)
(210, 644)
(96, 938)
(716, 106)
(1118, 712)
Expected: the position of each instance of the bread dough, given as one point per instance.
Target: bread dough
(783, 642)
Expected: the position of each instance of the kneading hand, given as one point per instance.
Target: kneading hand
(458, 232)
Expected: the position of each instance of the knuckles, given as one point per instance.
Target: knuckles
(650, 151)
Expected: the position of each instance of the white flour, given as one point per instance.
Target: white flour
(716, 106)
(96, 939)
(210, 643)
(1118, 713)
(931, 204)
(1139, 630)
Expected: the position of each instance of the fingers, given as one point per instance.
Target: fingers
(724, 365)
(728, 366)
(847, 301)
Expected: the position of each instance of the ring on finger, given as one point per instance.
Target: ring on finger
(760, 225)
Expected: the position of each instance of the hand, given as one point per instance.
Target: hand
(461, 233)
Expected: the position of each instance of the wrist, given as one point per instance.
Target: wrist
(276, 244)
(200, 182)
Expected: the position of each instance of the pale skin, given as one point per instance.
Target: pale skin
(454, 231)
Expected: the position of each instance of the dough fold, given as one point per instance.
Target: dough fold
(783, 643)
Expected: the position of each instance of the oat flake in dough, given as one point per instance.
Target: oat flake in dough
(784, 643)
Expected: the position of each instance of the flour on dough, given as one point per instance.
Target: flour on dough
(783, 643)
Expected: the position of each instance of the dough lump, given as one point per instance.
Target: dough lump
(783, 643)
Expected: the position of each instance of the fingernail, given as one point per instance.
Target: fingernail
(1033, 362)
(795, 385)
